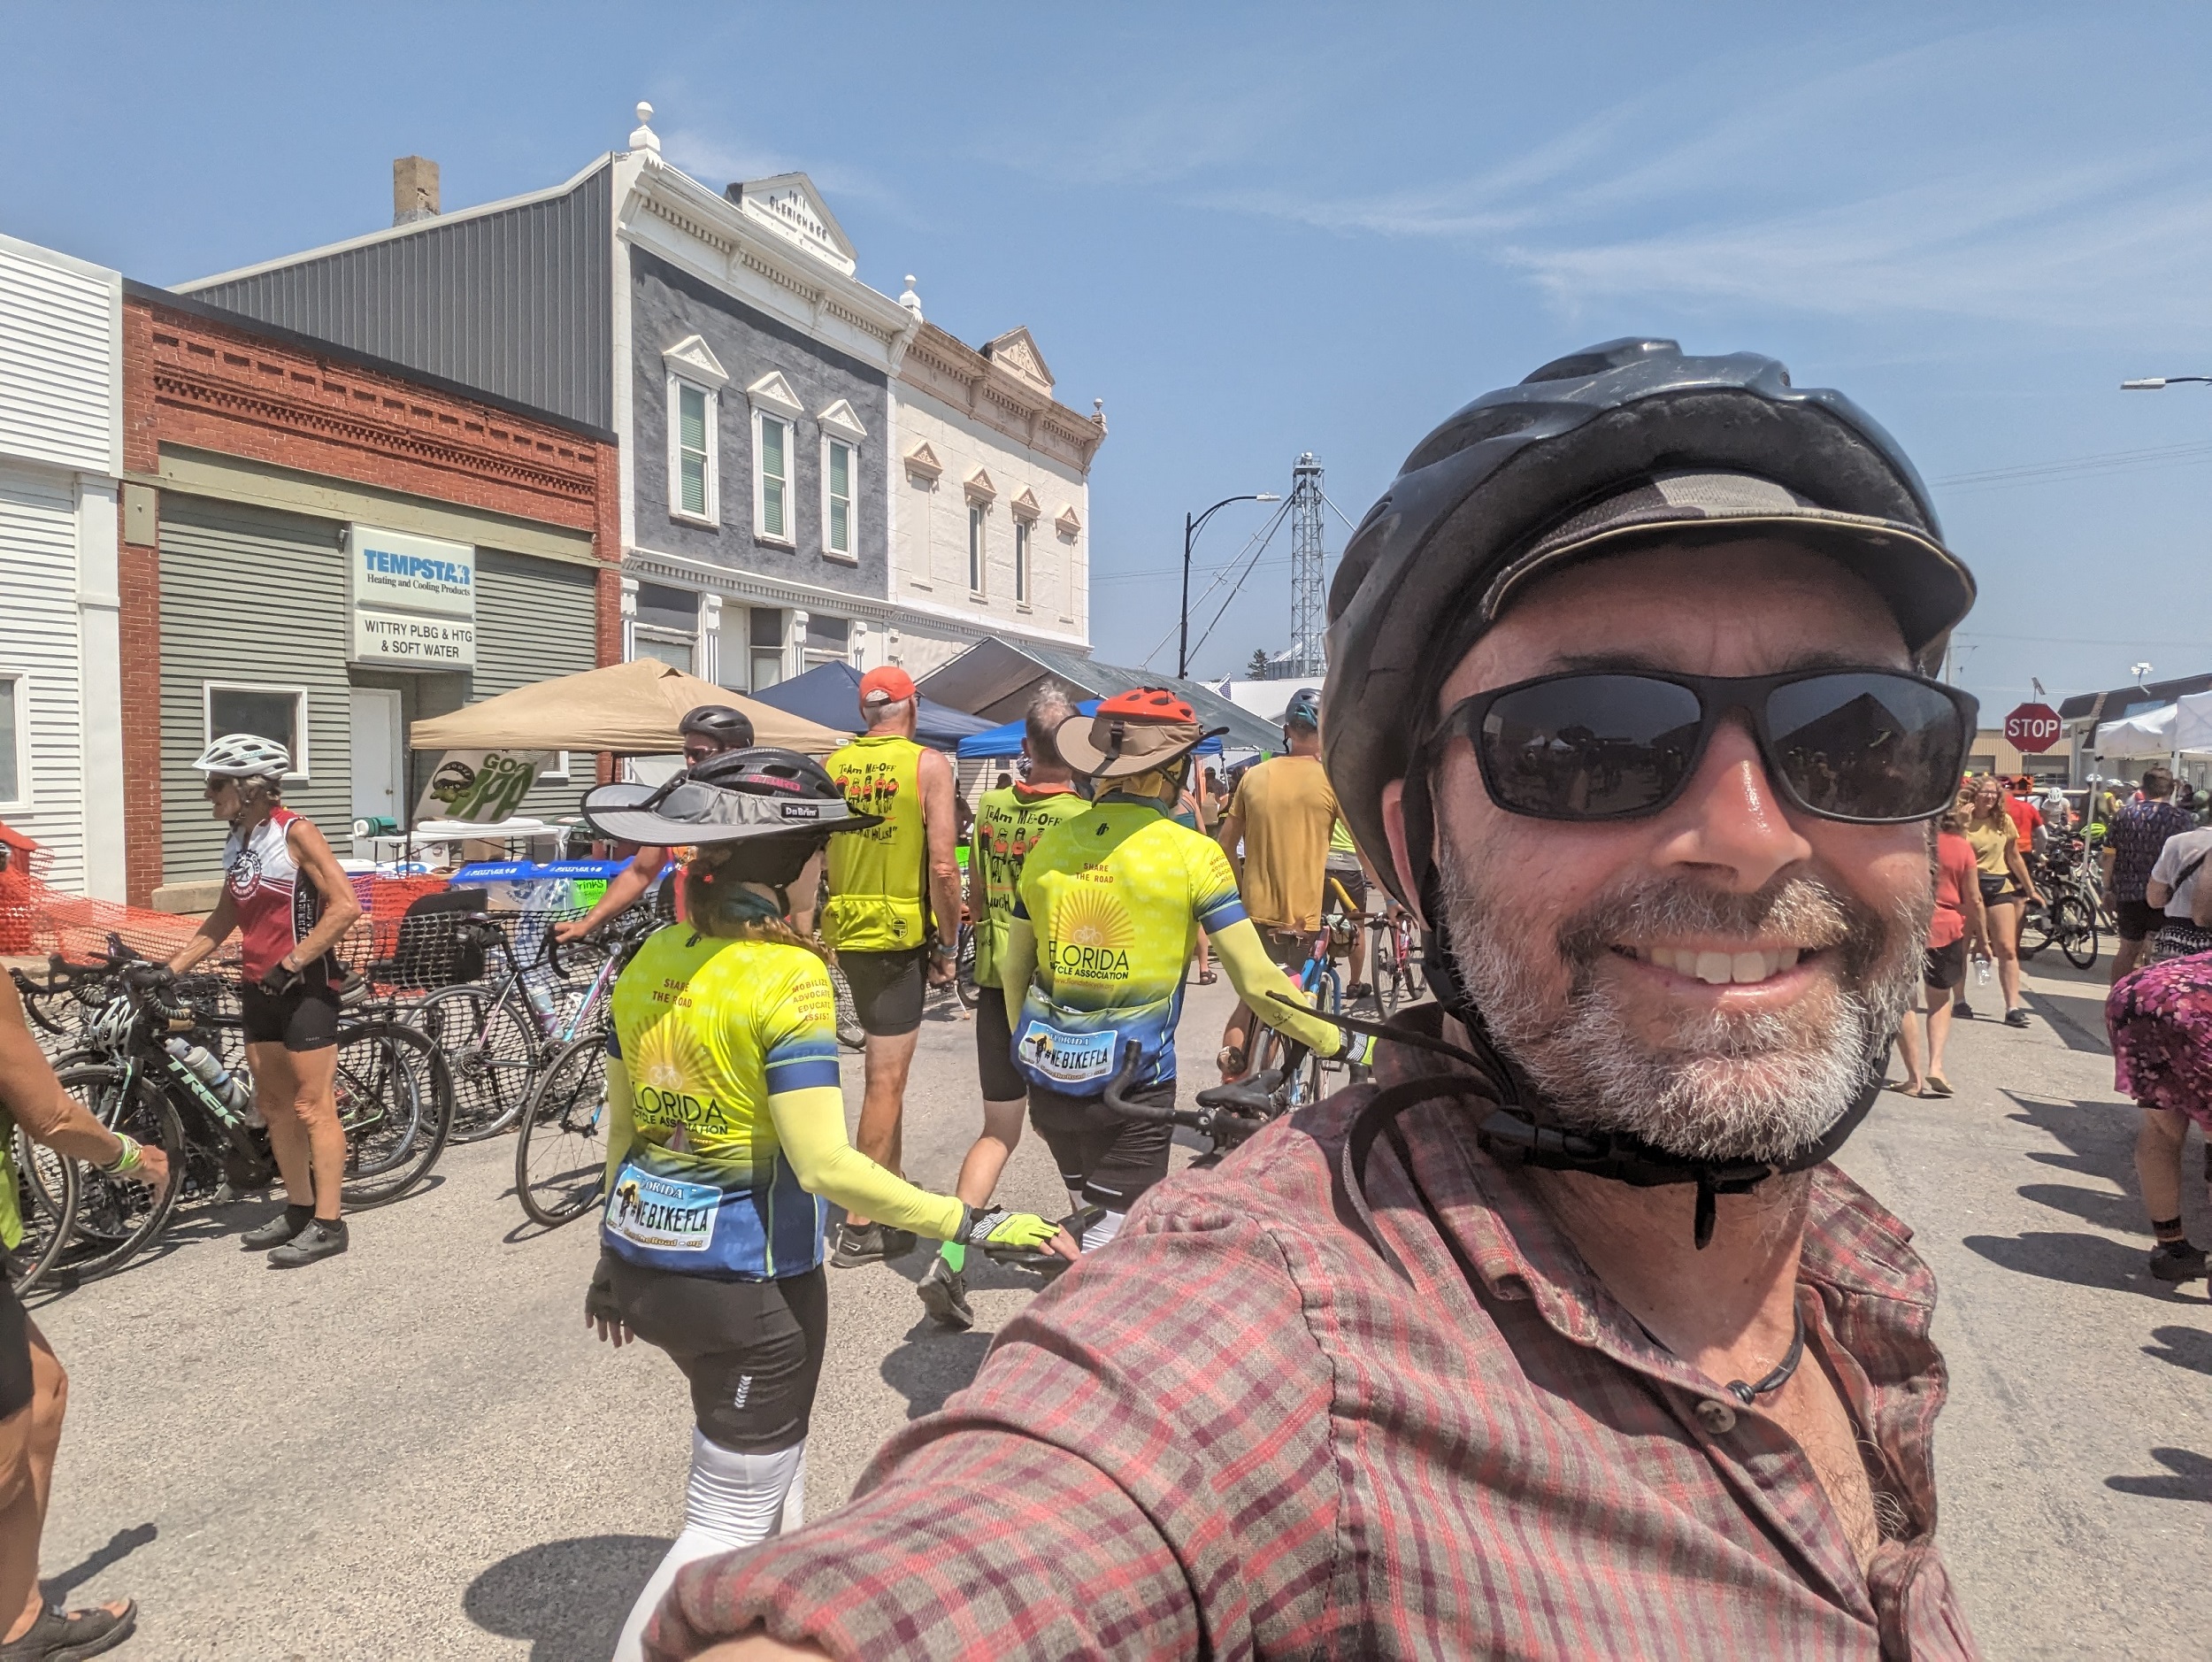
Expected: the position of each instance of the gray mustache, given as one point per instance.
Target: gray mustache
(1802, 908)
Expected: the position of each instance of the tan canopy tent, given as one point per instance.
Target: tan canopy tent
(630, 709)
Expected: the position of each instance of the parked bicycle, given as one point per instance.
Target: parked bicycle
(1324, 988)
(561, 1153)
(2072, 901)
(150, 1065)
(1393, 959)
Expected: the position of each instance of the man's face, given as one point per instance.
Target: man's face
(1717, 978)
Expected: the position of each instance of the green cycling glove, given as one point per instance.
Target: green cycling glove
(997, 1230)
(1359, 1050)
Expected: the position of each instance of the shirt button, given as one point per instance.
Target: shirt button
(1716, 1417)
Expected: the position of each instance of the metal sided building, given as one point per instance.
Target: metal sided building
(61, 447)
(322, 547)
(754, 383)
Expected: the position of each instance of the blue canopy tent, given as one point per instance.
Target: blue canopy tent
(1007, 741)
(830, 694)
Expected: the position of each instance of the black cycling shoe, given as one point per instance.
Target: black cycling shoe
(277, 1230)
(2177, 1261)
(59, 1636)
(944, 1294)
(318, 1240)
(871, 1244)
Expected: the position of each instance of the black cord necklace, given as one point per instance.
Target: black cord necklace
(1774, 1382)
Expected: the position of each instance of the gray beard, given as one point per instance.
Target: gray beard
(1761, 1087)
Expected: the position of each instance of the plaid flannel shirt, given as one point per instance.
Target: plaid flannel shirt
(1237, 1433)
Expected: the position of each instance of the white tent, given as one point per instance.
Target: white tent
(2150, 733)
(2192, 724)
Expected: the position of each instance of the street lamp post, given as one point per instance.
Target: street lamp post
(1191, 528)
(2154, 384)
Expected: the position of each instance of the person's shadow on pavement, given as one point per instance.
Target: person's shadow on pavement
(567, 1597)
(2191, 1478)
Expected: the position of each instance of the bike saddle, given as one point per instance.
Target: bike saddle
(1255, 1095)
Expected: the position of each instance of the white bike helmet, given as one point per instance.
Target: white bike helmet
(244, 756)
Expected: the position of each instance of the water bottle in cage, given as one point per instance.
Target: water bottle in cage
(541, 996)
(210, 1072)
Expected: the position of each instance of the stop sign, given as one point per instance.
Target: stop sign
(2032, 728)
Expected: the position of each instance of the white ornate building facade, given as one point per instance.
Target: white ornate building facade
(990, 516)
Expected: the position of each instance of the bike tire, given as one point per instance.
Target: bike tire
(395, 1103)
(964, 979)
(850, 1034)
(116, 1217)
(490, 1051)
(46, 1191)
(561, 1152)
(2075, 928)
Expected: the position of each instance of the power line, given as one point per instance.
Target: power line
(2110, 461)
(1280, 514)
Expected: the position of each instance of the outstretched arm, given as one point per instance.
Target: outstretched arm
(1257, 976)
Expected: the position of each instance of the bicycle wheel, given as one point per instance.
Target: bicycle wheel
(1409, 956)
(963, 971)
(46, 1200)
(2075, 928)
(850, 1034)
(117, 1218)
(490, 1051)
(395, 1103)
(561, 1155)
(1388, 972)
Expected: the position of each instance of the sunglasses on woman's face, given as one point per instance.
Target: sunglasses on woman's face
(1864, 746)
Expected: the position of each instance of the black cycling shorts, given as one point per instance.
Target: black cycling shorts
(751, 1349)
(887, 989)
(1107, 1158)
(2139, 920)
(1002, 1081)
(1289, 948)
(17, 1386)
(305, 1019)
(1945, 966)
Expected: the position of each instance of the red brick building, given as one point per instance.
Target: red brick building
(326, 548)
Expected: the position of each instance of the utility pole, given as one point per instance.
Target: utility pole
(1309, 620)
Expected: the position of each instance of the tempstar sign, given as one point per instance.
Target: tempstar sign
(412, 599)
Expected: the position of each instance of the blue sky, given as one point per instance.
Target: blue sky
(1259, 230)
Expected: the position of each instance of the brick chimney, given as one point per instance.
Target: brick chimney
(414, 190)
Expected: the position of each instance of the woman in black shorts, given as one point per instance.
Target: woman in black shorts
(2007, 889)
(284, 895)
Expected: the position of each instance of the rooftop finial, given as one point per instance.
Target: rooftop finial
(645, 138)
(911, 301)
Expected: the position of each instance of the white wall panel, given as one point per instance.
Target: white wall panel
(39, 640)
(60, 360)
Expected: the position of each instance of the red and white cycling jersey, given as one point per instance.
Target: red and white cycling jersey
(278, 904)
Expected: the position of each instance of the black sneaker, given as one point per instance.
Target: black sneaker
(2176, 1261)
(318, 1240)
(871, 1244)
(2016, 1016)
(277, 1230)
(64, 1636)
(944, 1294)
(1962, 1010)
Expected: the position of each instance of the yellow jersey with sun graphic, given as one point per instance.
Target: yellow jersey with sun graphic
(1008, 824)
(1116, 896)
(710, 1030)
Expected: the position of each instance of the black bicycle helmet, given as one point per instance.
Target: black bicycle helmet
(1597, 452)
(1586, 455)
(731, 729)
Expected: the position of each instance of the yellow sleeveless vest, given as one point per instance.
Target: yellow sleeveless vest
(877, 876)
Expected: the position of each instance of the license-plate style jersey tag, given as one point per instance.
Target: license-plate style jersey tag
(1052, 1057)
(662, 1212)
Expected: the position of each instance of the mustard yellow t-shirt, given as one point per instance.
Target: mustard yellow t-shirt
(1991, 839)
(1287, 810)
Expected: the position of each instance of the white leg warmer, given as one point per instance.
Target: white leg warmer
(1105, 1229)
(734, 1500)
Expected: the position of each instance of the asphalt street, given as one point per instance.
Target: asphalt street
(416, 1451)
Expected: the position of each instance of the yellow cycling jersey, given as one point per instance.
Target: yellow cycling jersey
(1008, 824)
(877, 877)
(730, 1048)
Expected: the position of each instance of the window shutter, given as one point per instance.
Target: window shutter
(691, 445)
(772, 476)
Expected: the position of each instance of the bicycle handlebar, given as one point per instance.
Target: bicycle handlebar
(1217, 1112)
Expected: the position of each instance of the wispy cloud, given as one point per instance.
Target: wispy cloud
(1850, 191)
(718, 158)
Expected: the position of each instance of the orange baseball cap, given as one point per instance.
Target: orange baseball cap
(885, 686)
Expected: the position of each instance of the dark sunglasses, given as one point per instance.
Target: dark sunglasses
(1865, 746)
